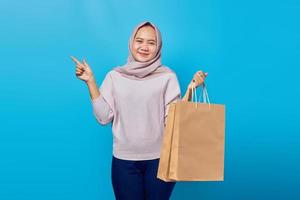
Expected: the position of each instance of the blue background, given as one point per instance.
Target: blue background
(51, 146)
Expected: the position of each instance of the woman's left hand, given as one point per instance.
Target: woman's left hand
(198, 79)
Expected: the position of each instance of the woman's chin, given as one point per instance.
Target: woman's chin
(143, 59)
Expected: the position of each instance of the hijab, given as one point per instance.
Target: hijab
(136, 70)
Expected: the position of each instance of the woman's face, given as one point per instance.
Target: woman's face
(144, 44)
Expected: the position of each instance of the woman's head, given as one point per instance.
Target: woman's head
(145, 42)
(144, 60)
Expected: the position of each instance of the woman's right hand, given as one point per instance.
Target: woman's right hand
(83, 70)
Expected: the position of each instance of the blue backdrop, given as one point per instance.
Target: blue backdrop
(51, 146)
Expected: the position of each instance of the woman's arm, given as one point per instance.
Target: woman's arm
(93, 88)
(188, 94)
(102, 110)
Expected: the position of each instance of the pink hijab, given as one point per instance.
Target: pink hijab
(136, 70)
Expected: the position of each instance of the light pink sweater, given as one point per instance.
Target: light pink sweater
(137, 110)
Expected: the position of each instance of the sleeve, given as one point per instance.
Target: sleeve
(103, 106)
(172, 94)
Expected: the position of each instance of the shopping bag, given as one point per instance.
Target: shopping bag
(193, 141)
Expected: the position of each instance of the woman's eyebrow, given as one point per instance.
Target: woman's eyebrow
(138, 38)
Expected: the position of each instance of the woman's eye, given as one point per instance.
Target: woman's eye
(151, 42)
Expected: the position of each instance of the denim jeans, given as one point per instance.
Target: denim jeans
(136, 180)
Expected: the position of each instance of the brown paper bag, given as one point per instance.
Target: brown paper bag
(193, 142)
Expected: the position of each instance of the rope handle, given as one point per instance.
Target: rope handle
(204, 95)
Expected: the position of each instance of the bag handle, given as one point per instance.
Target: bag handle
(204, 95)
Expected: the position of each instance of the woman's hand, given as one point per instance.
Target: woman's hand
(83, 70)
(198, 79)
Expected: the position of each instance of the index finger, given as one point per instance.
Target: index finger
(75, 60)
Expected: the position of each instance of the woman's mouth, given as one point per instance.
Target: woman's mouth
(143, 54)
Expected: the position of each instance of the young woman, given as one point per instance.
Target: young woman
(135, 98)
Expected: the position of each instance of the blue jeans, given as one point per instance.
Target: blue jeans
(136, 180)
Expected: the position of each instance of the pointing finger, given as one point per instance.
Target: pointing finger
(75, 60)
(78, 64)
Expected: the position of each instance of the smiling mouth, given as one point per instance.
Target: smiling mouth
(143, 54)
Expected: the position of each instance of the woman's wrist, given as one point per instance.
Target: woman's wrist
(190, 86)
(91, 80)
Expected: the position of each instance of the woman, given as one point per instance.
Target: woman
(135, 98)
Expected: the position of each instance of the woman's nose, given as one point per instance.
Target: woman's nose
(144, 47)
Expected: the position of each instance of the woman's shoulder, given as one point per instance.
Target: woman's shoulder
(169, 72)
(111, 73)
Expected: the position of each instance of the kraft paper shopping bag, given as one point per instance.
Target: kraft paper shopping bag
(193, 142)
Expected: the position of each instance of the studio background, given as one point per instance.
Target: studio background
(51, 146)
